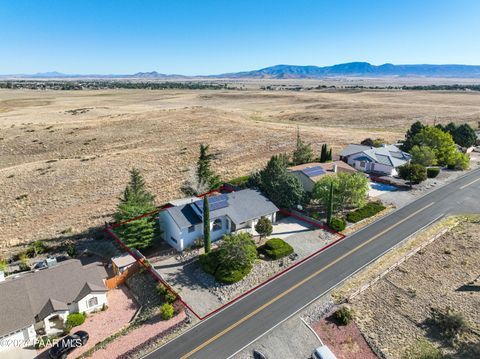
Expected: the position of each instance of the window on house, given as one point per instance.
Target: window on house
(92, 302)
(362, 164)
(191, 229)
(217, 225)
(173, 239)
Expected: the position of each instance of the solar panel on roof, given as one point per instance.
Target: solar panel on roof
(214, 203)
(313, 171)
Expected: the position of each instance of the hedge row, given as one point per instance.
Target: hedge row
(366, 211)
(276, 248)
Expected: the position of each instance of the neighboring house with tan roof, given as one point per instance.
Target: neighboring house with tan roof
(382, 160)
(310, 173)
(37, 303)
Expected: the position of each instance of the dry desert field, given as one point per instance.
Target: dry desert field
(65, 155)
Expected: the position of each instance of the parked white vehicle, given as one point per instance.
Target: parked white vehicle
(323, 352)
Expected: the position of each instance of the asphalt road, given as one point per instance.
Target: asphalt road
(233, 328)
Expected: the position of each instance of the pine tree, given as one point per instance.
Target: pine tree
(329, 156)
(303, 152)
(204, 172)
(135, 191)
(206, 225)
(323, 153)
(136, 201)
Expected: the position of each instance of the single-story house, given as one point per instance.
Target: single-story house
(234, 212)
(38, 303)
(310, 173)
(382, 160)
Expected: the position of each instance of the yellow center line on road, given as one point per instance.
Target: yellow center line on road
(468, 184)
(281, 295)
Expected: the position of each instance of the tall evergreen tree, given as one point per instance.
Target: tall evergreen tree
(411, 133)
(303, 151)
(204, 172)
(136, 201)
(282, 187)
(325, 154)
(206, 225)
(330, 205)
(329, 155)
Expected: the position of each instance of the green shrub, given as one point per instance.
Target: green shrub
(209, 262)
(170, 297)
(412, 172)
(423, 349)
(233, 259)
(71, 250)
(161, 289)
(36, 248)
(166, 311)
(366, 211)
(344, 315)
(433, 172)
(276, 248)
(240, 181)
(231, 276)
(337, 224)
(74, 320)
(316, 215)
(450, 323)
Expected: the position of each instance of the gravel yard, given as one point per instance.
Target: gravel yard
(136, 337)
(394, 312)
(195, 286)
(345, 341)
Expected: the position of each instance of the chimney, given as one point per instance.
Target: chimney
(334, 168)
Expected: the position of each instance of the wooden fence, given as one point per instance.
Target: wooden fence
(114, 282)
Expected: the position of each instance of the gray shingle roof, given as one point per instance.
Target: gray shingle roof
(248, 204)
(352, 149)
(184, 216)
(24, 298)
(242, 206)
(389, 155)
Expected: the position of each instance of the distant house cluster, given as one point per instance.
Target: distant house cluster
(382, 160)
(182, 224)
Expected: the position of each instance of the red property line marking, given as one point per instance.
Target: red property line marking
(161, 280)
(150, 270)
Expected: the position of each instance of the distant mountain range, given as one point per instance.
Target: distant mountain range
(351, 69)
(359, 69)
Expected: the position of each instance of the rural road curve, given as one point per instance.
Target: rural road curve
(233, 328)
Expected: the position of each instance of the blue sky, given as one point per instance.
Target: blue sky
(209, 37)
